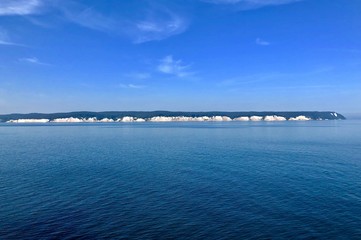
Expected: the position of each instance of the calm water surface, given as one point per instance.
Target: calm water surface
(181, 180)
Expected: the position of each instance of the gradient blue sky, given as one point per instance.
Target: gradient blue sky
(191, 55)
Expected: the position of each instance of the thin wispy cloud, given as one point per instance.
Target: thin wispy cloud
(159, 26)
(87, 17)
(131, 86)
(154, 23)
(262, 42)
(20, 7)
(6, 41)
(33, 60)
(168, 65)
(138, 75)
(251, 4)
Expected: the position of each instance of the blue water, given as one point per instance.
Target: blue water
(181, 180)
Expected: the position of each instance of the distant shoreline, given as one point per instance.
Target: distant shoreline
(167, 116)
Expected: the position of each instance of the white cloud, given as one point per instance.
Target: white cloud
(19, 7)
(251, 4)
(33, 60)
(262, 42)
(174, 67)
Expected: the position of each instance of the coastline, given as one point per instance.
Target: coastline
(254, 118)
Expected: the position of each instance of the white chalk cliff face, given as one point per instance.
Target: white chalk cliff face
(29, 121)
(274, 118)
(161, 119)
(67, 120)
(300, 118)
(220, 119)
(255, 118)
(140, 120)
(165, 119)
(241, 119)
(93, 119)
(130, 119)
(125, 119)
(106, 120)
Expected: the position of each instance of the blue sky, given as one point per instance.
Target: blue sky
(189, 55)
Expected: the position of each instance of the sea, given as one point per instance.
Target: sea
(181, 180)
